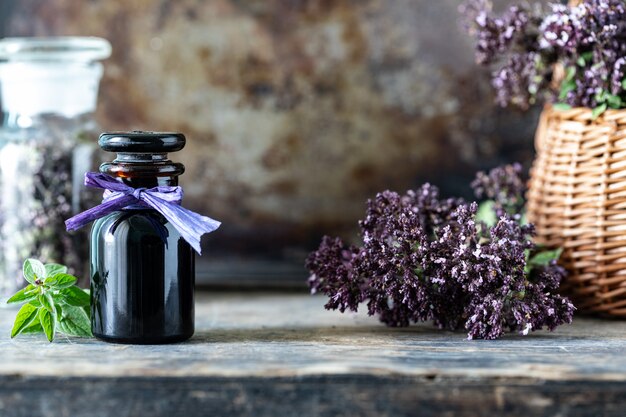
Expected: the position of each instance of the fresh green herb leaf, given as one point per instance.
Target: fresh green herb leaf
(47, 302)
(34, 270)
(59, 310)
(47, 321)
(561, 106)
(598, 110)
(587, 56)
(35, 327)
(22, 296)
(566, 88)
(486, 213)
(61, 280)
(584, 58)
(75, 322)
(570, 73)
(65, 328)
(545, 257)
(74, 296)
(53, 269)
(524, 219)
(24, 318)
(624, 83)
(614, 102)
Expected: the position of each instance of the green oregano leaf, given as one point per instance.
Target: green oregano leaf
(523, 219)
(24, 318)
(75, 322)
(566, 88)
(47, 321)
(561, 106)
(545, 257)
(596, 112)
(59, 310)
(63, 327)
(542, 258)
(60, 280)
(47, 302)
(33, 270)
(22, 296)
(35, 327)
(74, 296)
(486, 213)
(614, 102)
(587, 56)
(584, 58)
(53, 269)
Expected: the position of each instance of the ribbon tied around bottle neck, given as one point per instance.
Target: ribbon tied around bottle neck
(164, 199)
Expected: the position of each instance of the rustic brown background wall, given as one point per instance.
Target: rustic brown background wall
(296, 111)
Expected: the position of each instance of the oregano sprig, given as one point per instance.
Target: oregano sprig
(52, 302)
(424, 258)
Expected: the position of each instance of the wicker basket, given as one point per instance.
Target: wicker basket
(577, 200)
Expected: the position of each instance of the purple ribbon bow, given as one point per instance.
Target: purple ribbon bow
(164, 199)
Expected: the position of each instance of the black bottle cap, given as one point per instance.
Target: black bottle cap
(138, 141)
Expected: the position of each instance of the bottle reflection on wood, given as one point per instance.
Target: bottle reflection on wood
(142, 270)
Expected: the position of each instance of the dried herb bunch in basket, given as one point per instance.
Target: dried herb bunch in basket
(455, 263)
(574, 55)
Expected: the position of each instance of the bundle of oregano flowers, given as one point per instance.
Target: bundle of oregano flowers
(458, 264)
(526, 42)
(52, 302)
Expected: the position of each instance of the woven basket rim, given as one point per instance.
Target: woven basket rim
(583, 112)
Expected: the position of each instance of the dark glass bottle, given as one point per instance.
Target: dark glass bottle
(142, 270)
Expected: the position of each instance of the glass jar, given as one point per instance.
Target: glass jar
(142, 270)
(49, 89)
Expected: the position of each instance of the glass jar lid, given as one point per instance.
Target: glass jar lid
(73, 48)
(143, 142)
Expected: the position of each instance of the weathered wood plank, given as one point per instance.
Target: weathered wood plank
(283, 355)
(319, 396)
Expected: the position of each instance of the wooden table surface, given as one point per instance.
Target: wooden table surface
(284, 355)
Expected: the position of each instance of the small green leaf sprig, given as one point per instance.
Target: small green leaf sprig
(52, 302)
(603, 98)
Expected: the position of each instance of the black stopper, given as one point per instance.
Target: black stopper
(139, 141)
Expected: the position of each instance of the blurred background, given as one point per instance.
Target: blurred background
(295, 111)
